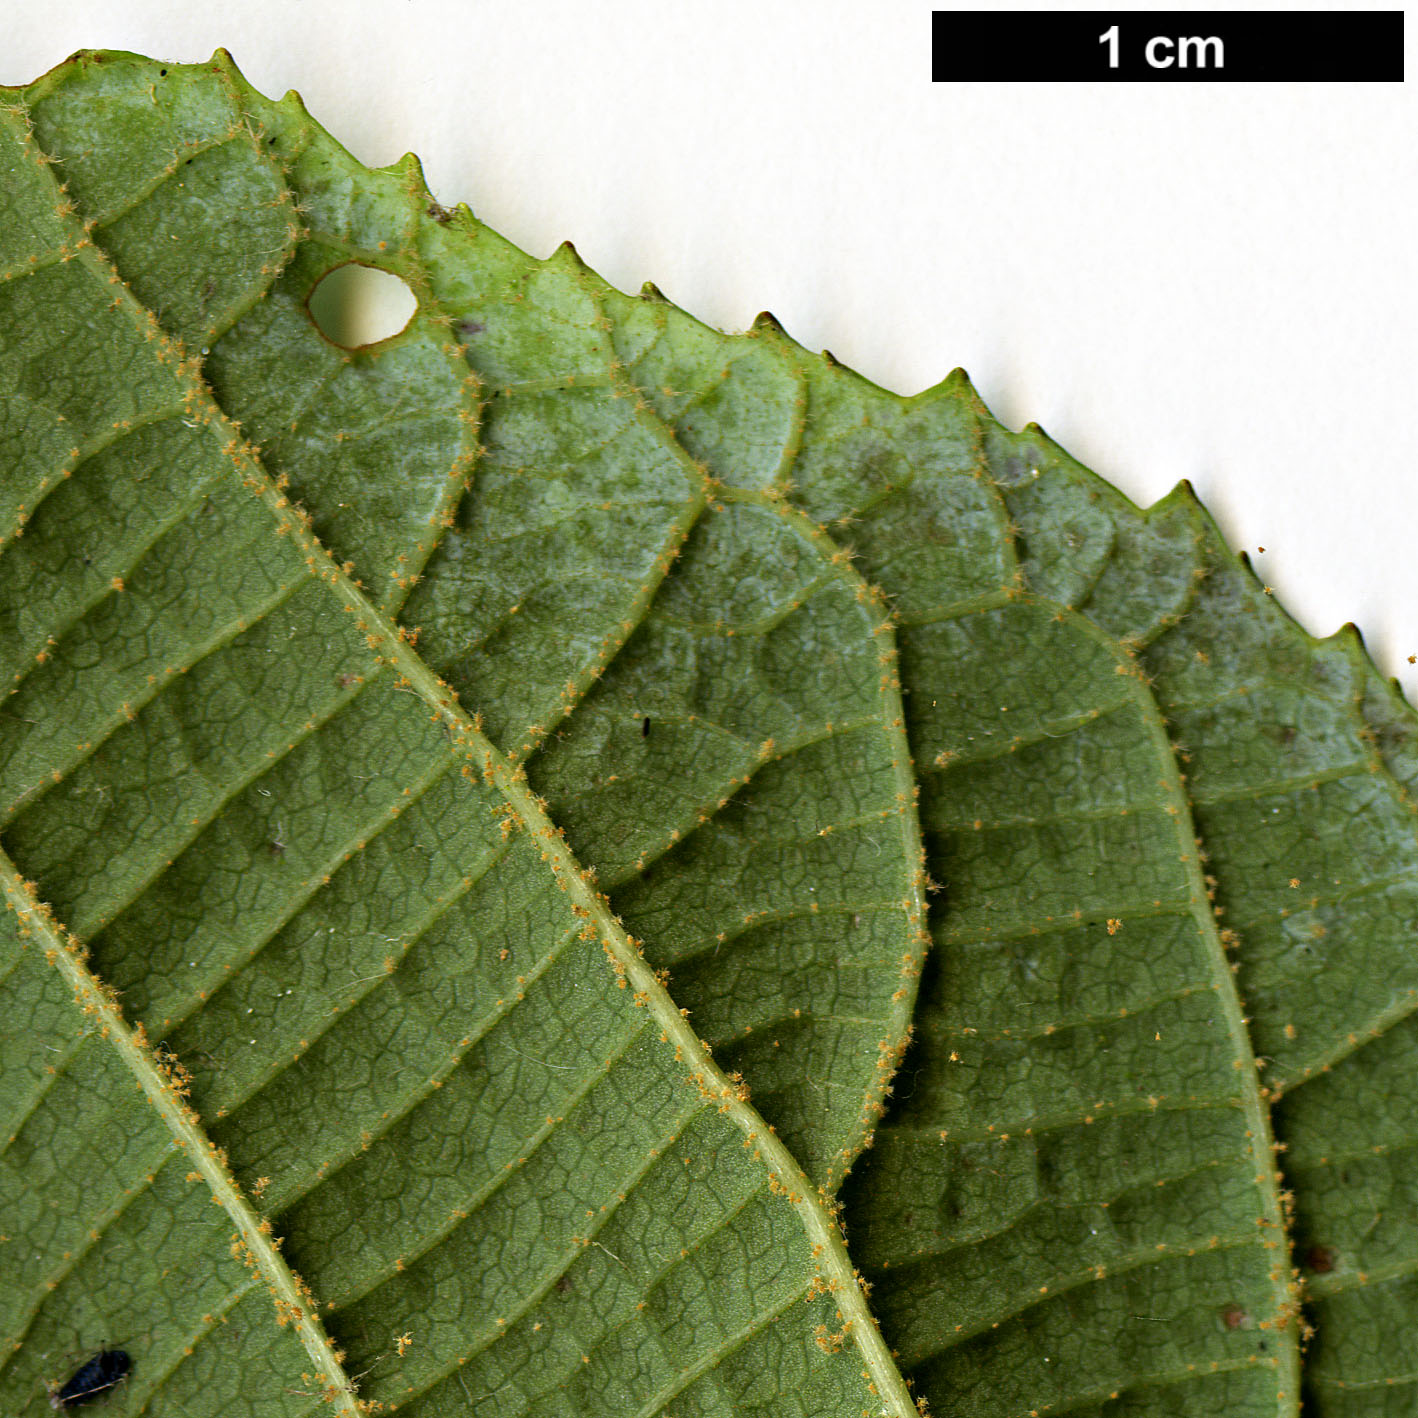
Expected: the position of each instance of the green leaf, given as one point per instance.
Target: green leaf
(729, 611)
(498, 1157)
(633, 627)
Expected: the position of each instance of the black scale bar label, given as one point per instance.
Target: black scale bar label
(1173, 46)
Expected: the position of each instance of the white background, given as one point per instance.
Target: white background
(1212, 281)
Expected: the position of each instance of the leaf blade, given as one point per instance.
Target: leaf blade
(783, 1247)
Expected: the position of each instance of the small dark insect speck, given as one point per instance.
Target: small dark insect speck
(645, 727)
(563, 1284)
(95, 1377)
(471, 327)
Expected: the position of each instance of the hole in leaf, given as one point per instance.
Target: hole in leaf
(356, 305)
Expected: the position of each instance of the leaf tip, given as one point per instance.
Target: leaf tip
(1350, 632)
(957, 382)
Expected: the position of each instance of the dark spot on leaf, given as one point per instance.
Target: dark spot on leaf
(1234, 1317)
(471, 327)
(645, 727)
(1321, 1259)
(563, 1284)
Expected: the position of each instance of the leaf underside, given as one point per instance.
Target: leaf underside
(414, 752)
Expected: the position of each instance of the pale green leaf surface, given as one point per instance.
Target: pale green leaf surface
(1114, 730)
(507, 1174)
(753, 821)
